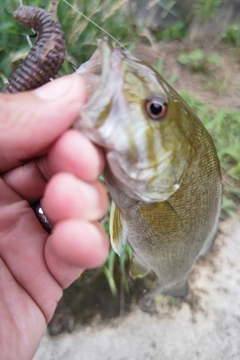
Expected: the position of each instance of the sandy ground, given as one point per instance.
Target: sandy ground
(204, 326)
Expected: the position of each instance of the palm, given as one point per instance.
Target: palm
(25, 280)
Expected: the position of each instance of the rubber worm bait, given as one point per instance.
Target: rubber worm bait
(41, 64)
(45, 57)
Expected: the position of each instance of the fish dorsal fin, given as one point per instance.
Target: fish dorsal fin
(137, 269)
(118, 230)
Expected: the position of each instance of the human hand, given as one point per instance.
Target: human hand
(40, 157)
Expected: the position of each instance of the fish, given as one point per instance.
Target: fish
(162, 170)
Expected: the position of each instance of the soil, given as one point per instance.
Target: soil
(216, 85)
(203, 326)
(96, 325)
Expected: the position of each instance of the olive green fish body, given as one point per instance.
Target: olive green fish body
(162, 168)
(168, 236)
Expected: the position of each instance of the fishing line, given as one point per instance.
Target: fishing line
(28, 37)
(54, 4)
(93, 22)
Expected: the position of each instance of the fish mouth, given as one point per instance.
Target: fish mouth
(100, 71)
(104, 76)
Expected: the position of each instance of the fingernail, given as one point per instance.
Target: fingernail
(54, 89)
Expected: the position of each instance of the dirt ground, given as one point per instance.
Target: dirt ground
(219, 86)
(203, 326)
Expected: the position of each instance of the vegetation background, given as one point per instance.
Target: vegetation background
(198, 42)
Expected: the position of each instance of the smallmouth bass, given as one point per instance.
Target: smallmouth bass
(162, 169)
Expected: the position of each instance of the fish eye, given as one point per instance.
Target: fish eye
(156, 108)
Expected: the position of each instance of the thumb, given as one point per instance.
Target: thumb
(31, 121)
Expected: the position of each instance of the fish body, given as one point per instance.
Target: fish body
(162, 169)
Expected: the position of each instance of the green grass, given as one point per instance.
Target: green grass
(119, 265)
(176, 31)
(232, 33)
(207, 9)
(197, 61)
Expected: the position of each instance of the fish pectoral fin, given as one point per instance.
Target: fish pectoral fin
(177, 290)
(118, 230)
(137, 269)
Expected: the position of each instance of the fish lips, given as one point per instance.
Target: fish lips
(103, 75)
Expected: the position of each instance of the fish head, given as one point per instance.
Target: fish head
(139, 120)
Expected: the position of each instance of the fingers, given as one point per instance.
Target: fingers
(41, 265)
(27, 131)
(69, 197)
(73, 246)
(77, 242)
(27, 181)
(72, 153)
(22, 242)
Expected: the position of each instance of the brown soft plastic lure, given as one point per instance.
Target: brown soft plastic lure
(45, 57)
(41, 64)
